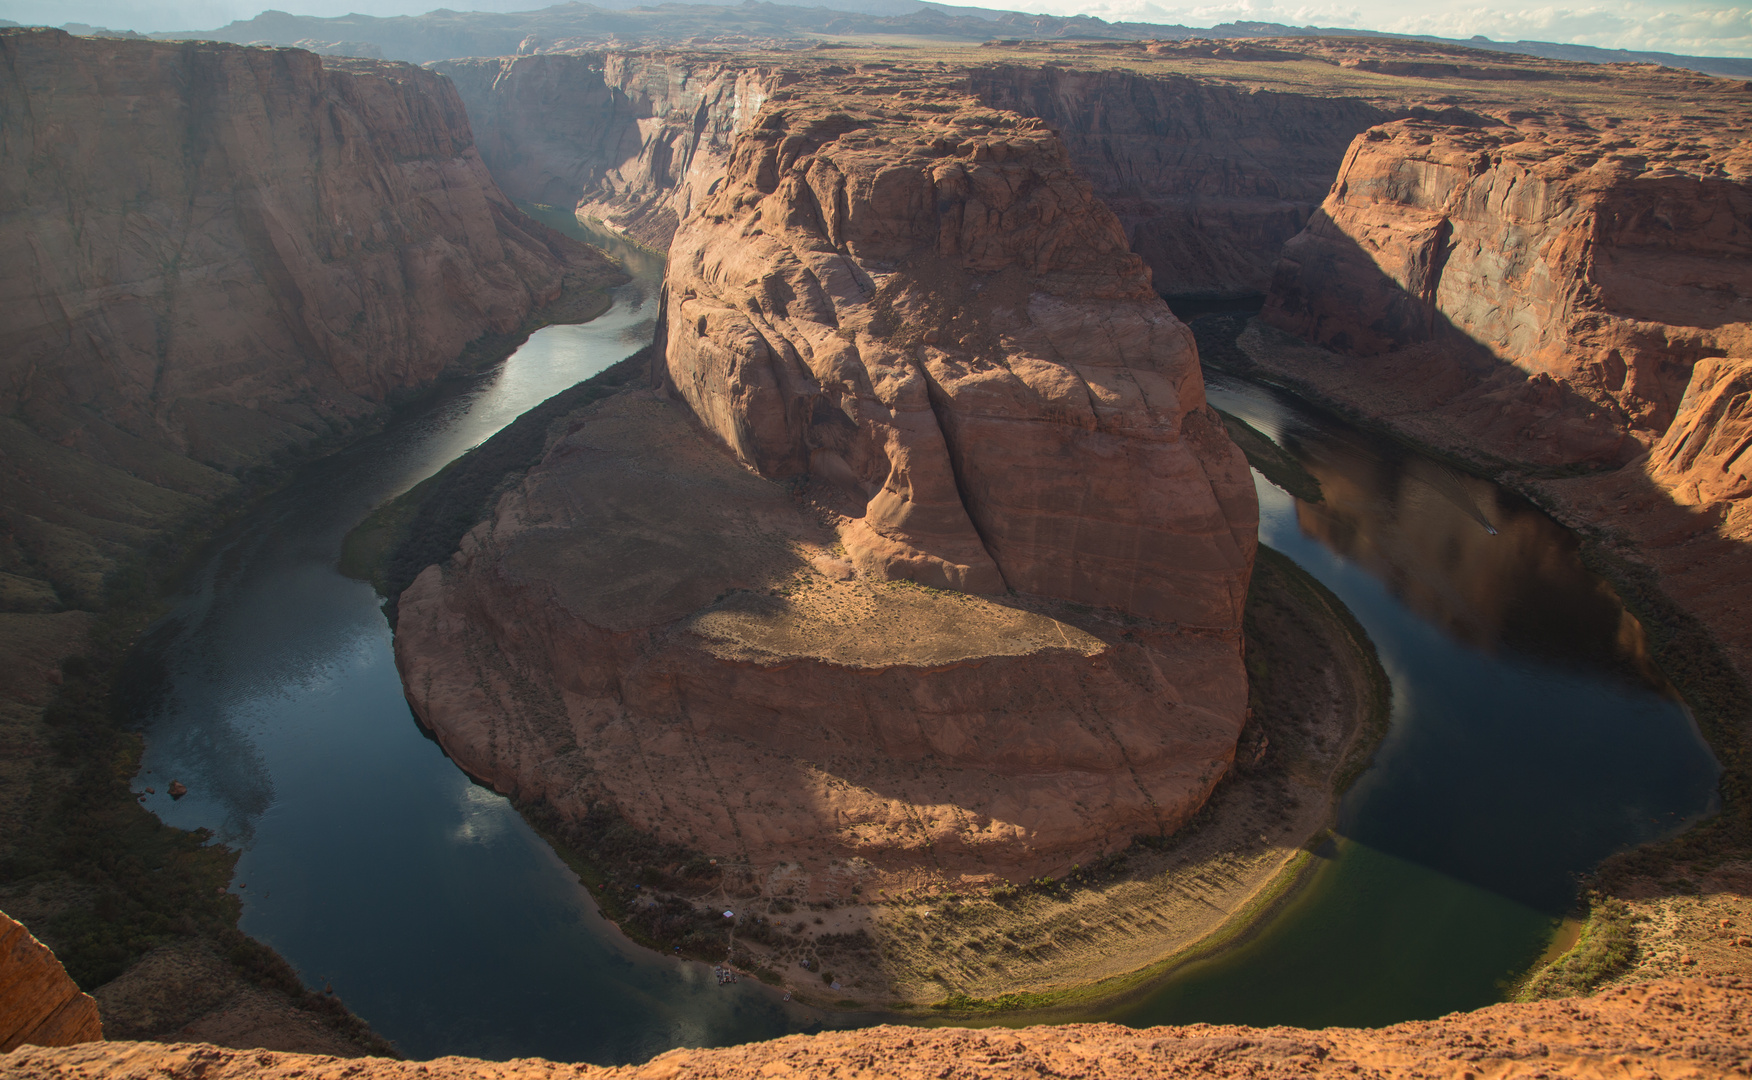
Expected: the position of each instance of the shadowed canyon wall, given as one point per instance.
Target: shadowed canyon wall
(1209, 180)
(622, 138)
(213, 259)
(1561, 275)
(215, 254)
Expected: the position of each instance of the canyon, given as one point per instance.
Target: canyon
(222, 260)
(805, 247)
(309, 242)
(913, 561)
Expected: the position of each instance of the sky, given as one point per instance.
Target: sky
(1694, 28)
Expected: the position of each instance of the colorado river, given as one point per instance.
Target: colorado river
(1529, 740)
(368, 860)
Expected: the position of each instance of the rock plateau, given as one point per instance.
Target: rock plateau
(933, 562)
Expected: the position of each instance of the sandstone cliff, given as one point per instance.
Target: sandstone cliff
(1691, 1028)
(925, 342)
(933, 316)
(630, 139)
(1209, 179)
(218, 253)
(214, 257)
(1547, 280)
(1702, 459)
(39, 1005)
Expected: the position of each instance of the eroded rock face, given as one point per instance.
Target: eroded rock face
(1673, 1028)
(631, 140)
(647, 625)
(933, 318)
(1702, 458)
(213, 253)
(1562, 277)
(1209, 181)
(39, 1004)
(921, 354)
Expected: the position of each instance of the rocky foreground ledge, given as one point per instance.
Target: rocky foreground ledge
(1693, 1028)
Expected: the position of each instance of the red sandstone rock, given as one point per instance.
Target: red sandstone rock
(1680, 1028)
(936, 318)
(645, 625)
(1209, 180)
(39, 1004)
(1702, 459)
(933, 332)
(213, 253)
(1565, 272)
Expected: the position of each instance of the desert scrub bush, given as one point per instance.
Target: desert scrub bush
(1606, 949)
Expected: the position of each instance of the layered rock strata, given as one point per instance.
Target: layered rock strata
(1692, 1028)
(1548, 280)
(39, 1004)
(631, 140)
(1208, 179)
(925, 329)
(646, 625)
(932, 317)
(216, 253)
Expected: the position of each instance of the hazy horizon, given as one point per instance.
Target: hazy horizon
(1699, 29)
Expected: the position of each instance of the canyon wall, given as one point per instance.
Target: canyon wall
(1691, 1028)
(216, 254)
(630, 139)
(1209, 180)
(1557, 276)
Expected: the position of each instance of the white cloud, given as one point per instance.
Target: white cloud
(1695, 28)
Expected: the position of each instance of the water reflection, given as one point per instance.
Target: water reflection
(1477, 560)
(368, 859)
(1531, 738)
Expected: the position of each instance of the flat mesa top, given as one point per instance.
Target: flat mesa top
(1679, 120)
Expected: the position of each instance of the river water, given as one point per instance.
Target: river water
(1530, 739)
(368, 859)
